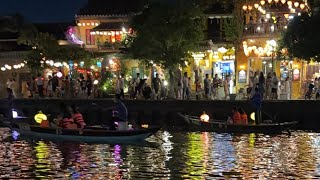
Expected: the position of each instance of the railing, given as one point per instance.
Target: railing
(265, 28)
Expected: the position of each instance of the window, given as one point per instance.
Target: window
(89, 38)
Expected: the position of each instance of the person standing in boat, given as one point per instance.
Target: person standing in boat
(119, 114)
(256, 101)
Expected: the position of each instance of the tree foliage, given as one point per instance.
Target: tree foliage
(302, 37)
(45, 46)
(167, 31)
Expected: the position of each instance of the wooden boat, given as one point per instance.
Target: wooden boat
(224, 127)
(89, 134)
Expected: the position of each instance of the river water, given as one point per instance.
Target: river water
(179, 155)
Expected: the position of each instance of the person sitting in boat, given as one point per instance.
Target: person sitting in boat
(119, 114)
(78, 118)
(236, 117)
(243, 115)
(67, 121)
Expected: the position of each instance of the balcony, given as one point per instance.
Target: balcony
(264, 29)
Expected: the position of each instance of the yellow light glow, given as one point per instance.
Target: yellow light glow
(262, 2)
(244, 7)
(283, 1)
(242, 67)
(40, 117)
(253, 116)
(145, 126)
(256, 6)
(289, 3)
(204, 117)
(302, 6)
(296, 4)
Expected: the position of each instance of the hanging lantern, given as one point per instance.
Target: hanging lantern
(269, 1)
(276, 1)
(296, 4)
(302, 6)
(204, 117)
(283, 1)
(256, 6)
(249, 8)
(40, 117)
(262, 2)
(289, 3)
(244, 7)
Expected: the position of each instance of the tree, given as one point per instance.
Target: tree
(301, 37)
(45, 46)
(166, 32)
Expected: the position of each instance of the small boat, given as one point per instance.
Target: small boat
(224, 127)
(88, 134)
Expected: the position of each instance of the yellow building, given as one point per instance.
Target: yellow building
(264, 22)
(103, 26)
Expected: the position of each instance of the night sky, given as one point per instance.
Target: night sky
(43, 10)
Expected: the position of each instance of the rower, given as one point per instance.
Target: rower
(119, 114)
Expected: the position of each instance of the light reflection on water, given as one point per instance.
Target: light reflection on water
(179, 156)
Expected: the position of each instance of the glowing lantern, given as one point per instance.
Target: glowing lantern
(262, 2)
(249, 8)
(296, 4)
(204, 117)
(14, 113)
(145, 126)
(283, 1)
(289, 3)
(302, 6)
(40, 117)
(256, 6)
(276, 1)
(253, 116)
(244, 7)
(269, 1)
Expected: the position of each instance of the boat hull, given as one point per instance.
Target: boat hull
(85, 135)
(223, 127)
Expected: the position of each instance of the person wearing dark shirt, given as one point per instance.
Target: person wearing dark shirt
(156, 83)
(119, 114)
(256, 101)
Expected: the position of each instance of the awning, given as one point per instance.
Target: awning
(111, 26)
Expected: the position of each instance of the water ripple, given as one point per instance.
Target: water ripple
(177, 156)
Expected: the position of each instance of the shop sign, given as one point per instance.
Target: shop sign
(229, 57)
(242, 76)
(198, 56)
(296, 75)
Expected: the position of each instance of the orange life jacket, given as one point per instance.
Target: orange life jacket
(66, 122)
(236, 117)
(244, 118)
(78, 119)
(44, 124)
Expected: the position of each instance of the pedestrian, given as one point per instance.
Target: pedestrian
(206, 83)
(226, 87)
(274, 86)
(185, 84)
(40, 85)
(261, 84)
(215, 86)
(156, 83)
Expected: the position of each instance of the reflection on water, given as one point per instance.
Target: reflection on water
(177, 156)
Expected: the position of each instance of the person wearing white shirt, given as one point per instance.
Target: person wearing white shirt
(120, 86)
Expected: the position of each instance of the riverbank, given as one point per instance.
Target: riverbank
(165, 112)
